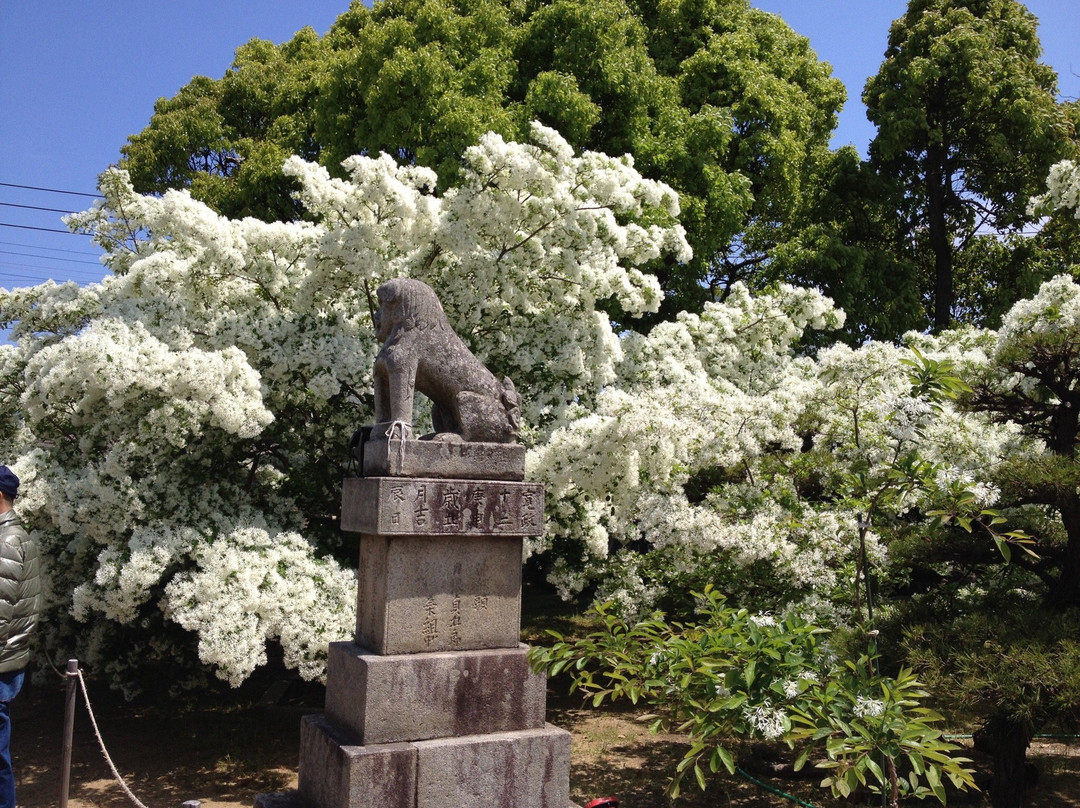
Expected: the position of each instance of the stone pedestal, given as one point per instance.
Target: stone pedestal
(452, 593)
(417, 697)
(434, 705)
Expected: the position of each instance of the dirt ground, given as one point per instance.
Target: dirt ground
(223, 751)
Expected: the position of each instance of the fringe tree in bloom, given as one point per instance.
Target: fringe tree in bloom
(1062, 190)
(725, 454)
(181, 428)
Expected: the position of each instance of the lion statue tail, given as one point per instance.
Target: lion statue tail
(511, 402)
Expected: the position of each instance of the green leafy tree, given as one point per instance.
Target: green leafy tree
(1032, 380)
(967, 126)
(226, 140)
(1000, 657)
(844, 244)
(722, 101)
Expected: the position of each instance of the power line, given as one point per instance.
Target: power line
(41, 274)
(41, 229)
(48, 249)
(23, 269)
(17, 281)
(48, 190)
(50, 258)
(37, 279)
(34, 207)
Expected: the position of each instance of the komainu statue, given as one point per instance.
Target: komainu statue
(420, 351)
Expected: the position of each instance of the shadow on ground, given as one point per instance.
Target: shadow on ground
(219, 751)
(225, 749)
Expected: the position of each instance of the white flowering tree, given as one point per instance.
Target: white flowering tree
(181, 428)
(885, 474)
(724, 453)
(1062, 190)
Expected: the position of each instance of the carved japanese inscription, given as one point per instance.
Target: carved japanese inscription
(400, 506)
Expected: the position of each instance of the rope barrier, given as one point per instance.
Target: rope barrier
(1040, 736)
(101, 741)
(56, 670)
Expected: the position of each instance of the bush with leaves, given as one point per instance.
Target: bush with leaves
(738, 675)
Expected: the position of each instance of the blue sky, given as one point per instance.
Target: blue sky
(77, 78)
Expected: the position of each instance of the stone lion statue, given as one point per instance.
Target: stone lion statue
(420, 351)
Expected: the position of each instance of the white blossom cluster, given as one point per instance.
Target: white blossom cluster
(1062, 190)
(181, 428)
(767, 721)
(865, 707)
(520, 253)
(1053, 312)
(727, 390)
(178, 425)
(250, 585)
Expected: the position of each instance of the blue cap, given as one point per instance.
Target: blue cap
(9, 483)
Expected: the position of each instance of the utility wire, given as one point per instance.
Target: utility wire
(40, 269)
(45, 273)
(47, 249)
(34, 207)
(16, 282)
(51, 258)
(47, 190)
(10, 281)
(41, 229)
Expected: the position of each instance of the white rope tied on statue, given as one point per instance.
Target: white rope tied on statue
(101, 743)
(403, 429)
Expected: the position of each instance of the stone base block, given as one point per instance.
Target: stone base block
(414, 697)
(280, 799)
(335, 772)
(426, 594)
(524, 768)
(291, 799)
(527, 769)
(441, 458)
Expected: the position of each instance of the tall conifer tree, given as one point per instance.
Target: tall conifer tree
(968, 126)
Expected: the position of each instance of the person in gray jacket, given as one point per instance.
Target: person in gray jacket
(20, 604)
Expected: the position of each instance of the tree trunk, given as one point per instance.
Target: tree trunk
(1065, 593)
(1064, 432)
(1007, 742)
(938, 185)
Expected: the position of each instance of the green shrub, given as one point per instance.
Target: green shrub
(739, 675)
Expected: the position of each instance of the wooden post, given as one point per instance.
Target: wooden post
(69, 728)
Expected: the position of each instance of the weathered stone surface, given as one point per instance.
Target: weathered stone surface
(335, 772)
(410, 506)
(421, 353)
(384, 699)
(280, 799)
(292, 799)
(420, 593)
(440, 458)
(528, 768)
